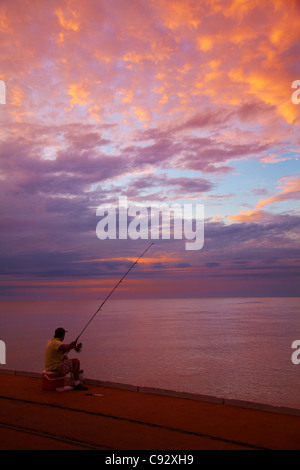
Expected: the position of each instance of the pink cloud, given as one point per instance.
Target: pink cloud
(102, 97)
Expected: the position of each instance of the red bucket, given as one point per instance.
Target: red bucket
(52, 380)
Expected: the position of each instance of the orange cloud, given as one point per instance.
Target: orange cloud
(271, 158)
(238, 8)
(290, 190)
(144, 260)
(177, 13)
(205, 43)
(229, 62)
(79, 93)
(4, 24)
(18, 96)
(244, 216)
(68, 19)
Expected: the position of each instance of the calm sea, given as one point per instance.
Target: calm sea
(233, 348)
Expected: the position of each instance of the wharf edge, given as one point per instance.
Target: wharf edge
(173, 393)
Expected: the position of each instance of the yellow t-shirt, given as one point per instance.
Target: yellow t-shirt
(53, 356)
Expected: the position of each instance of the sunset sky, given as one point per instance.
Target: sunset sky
(162, 101)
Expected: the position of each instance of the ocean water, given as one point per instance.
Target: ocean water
(233, 348)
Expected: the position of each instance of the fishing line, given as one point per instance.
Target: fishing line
(111, 292)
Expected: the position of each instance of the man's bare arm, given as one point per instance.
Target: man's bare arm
(65, 348)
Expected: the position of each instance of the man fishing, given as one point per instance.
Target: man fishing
(56, 352)
(56, 359)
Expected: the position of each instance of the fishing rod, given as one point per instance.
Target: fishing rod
(111, 292)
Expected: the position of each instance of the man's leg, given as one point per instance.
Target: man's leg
(72, 365)
(76, 369)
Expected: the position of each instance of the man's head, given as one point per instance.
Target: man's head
(60, 333)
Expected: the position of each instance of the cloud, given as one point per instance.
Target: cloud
(155, 100)
(245, 216)
(182, 187)
(271, 158)
(146, 53)
(290, 190)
